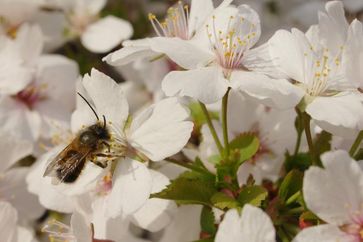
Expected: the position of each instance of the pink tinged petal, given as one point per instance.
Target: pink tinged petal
(276, 93)
(81, 229)
(12, 149)
(253, 225)
(334, 193)
(13, 188)
(105, 34)
(207, 84)
(156, 213)
(8, 221)
(30, 35)
(326, 233)
(183, 53)
(133, 50)
(337, 114)
(161, 130)
(132, 183)
(287, 54)
(107, 96)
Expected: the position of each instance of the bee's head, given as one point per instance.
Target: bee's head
(100, 131)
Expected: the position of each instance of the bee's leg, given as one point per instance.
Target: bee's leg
(107, 145)
(103, 162)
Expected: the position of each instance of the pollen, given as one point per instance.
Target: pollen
(175, 23)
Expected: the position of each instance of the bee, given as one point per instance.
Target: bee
(88, 145)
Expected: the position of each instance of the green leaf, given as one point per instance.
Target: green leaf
(291, 184)
(254, 195)
(300, 162)
(207, 221)
(244, 147)
(223, 201)
(189, 188)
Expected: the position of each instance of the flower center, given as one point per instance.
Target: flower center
(31, 95)
(175, 23)
(355, 229)
(229, 45)
(79, 22)
(104, 186)
(322, 76)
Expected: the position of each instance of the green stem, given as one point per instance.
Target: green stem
(300, 129)
(185, 165)
(211, 127)
(309, 138)
(356, 143)
(224, 122)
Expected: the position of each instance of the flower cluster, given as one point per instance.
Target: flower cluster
(206, 130)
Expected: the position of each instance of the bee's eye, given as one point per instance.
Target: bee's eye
(88, 138)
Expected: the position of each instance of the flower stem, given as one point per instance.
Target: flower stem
(224, 122)
(356, 143)
(309, 138)
(211, 128)
(185, 165)
(300, 130)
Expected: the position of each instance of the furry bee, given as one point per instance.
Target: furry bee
(87, 145)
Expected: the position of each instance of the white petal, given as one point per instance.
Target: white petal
(199, 11)
(185, 226)
(344, 110)
(334, 193)
(182, 52)
(25, 234)
(133, 50)
(276, 93)
(8, 221)
(287, 53)
(131, 188)
(13, 189)
(80, 228)
(353, 5)
(161, 130)
(156, 213)
(107, 96)
(326, 233)
(105, 34)
(30, 36)
(12, 149)
(206, 84)
(333, 25)
(254, 226)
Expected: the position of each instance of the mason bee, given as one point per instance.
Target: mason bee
(87, 145)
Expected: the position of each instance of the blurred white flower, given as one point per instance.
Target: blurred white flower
(253, 225)
(274, 129)
(9, 229)
(36, 89)
(334, 194)
(317, 67)
(98, 35)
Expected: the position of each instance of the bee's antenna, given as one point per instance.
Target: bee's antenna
(104, 121)
(89, 105)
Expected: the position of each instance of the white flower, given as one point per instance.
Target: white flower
(335, 195)
(314, 61)
(98, 35)
(274, 129)
(156, 133)
(253, 225)
(222, 60)
(37, 90)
